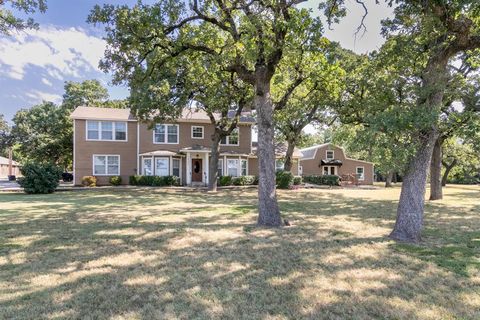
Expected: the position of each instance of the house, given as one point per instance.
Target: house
(4, 168)
(112, 142)
(328, 159)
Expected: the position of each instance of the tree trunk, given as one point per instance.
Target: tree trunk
(388, 179)
(289, 155)
(213, 164)
(409, 223)
(268, 210)
(436, 171)
(448, 168)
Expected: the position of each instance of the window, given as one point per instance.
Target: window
(220, 167)
(279, 165)
(165, 133)
(176, 167)
(330, 154)
(147, 167)
(329, 170)
(244, 167)
(232, 139)
(161, 167)
(360, 173)
(106, 130)
(232, 167)
(104, 165)
(197, 132)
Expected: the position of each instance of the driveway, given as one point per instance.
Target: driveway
(8, 185)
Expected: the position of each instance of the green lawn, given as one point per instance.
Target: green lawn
(155, 254)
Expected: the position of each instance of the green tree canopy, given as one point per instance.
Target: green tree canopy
(9, 22)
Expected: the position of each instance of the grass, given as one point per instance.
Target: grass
(153, 254)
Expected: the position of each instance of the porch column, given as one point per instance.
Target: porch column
(206, 168)
(188, 174)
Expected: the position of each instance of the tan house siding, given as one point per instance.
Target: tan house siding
(253, 167)
(4, 171)
(186, 140)
(84, 151)
(312, 166)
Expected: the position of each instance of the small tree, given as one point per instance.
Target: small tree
(40, 177)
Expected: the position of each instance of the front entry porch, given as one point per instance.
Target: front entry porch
(197, 166)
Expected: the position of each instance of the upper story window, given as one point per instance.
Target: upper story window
(165, 133)
(106, 130)
(330, 155)
(232, 139)
(197, 132)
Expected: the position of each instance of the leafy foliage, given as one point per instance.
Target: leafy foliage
(39, 177)
(284, 179)
(89, 93)
(329, 180)
(297, 180)
(154, 181)
(115, 180)
(89, 181)
(9, 22)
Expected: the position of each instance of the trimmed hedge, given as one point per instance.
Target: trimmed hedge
(154, 181)
(237, 181)
(89, 181)
(115, 180)
(297, 180)
(284, 179)
(39, 178)
(243, 180)
(329, 180)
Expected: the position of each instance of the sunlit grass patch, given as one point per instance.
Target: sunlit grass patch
(156, 254)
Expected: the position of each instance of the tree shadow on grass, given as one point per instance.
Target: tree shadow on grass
(87, 258)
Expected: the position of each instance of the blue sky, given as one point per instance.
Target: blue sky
(34, 64)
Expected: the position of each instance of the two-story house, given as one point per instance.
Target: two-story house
(328, 159)
(112, 142)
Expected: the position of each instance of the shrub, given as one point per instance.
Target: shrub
(297, 180)
(154, 181)
(243, 180)
(40, 178)
(67, 177)
(329, 180)
(89, 181)
(284, 179)
(225, 181)
(115, 180)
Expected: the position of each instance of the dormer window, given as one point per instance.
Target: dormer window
(330, 155)
(232, 139)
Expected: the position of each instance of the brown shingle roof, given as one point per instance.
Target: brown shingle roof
(102, 114)
(188, 114)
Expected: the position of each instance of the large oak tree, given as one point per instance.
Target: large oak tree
(249, 38)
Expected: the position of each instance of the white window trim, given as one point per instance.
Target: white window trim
(329, 174)
(238, 164)
(246, 167)
(106, 165)
(326, 154)
(143, 166)
(227, 138)
(363, 174)
(166, 134)
(277, 168)
(223, 168)
(179, 167)
(100, 131)
(155, 165)
(196, 127)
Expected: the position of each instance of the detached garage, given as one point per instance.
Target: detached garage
(4, 168)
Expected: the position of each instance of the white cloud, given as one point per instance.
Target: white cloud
(38, 96)
(47, 82)
(61, 52)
